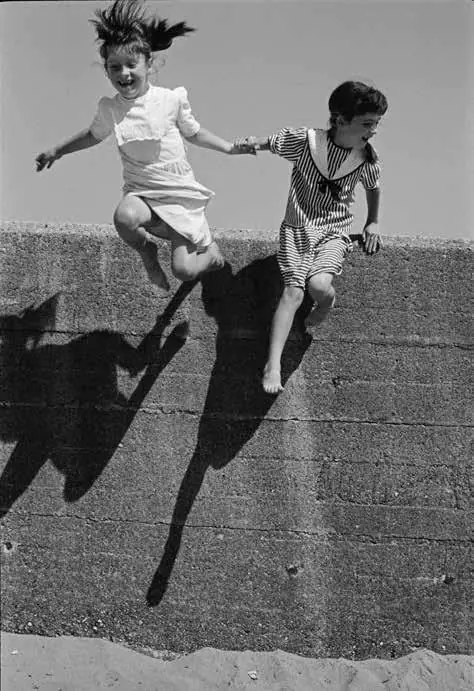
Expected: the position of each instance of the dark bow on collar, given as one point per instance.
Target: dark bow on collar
(333, 187)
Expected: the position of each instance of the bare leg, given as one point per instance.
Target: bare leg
(322, 292)
(283, 319)
(131, 217)
(149, 256)
(187, 264)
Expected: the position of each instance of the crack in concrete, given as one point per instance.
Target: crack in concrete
(166, 410)
(250, 335)
(288, 531)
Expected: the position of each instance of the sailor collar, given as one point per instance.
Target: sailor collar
(318, 146)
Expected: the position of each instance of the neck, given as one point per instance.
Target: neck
(339, 139)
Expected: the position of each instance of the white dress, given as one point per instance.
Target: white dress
(148, 131)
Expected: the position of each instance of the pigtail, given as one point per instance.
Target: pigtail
(371, 154)
(160, 35)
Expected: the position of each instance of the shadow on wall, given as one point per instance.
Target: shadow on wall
(243, 306)
(62, 402)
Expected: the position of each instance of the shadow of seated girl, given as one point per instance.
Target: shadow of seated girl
(235, 404)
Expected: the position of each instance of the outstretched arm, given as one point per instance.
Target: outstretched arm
(81, 140)
(208, 140)
(371, 234)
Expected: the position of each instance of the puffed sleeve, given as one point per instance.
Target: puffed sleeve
(370, 176)
(187, 123)
(102, 124)
(289, 143)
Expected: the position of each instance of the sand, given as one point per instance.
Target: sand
(87, 664)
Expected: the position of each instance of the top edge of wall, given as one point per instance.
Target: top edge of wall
(233, 233)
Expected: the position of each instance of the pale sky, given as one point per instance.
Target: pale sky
(250, 68)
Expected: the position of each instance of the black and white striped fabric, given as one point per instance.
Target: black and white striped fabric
(318, 207)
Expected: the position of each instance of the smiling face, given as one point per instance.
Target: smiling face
(128, 71)
(356, 133)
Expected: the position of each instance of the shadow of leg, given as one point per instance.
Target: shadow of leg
(188, 491)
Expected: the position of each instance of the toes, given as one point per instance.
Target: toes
(271, 382)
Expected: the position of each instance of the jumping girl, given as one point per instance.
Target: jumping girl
(160, 193)
(314, 235)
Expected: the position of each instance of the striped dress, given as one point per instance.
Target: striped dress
(314, 234)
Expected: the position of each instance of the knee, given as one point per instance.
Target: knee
(320, 286)
(293, 296)
(126, 217)
(183, 272)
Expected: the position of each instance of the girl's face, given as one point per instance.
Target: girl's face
(356, 133)
(128, 72)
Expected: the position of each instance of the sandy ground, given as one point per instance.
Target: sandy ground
(87, 664)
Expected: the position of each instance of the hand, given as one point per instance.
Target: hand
(244, 145)
(371, 238)
(46, 159)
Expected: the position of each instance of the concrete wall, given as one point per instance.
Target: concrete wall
(152, 493)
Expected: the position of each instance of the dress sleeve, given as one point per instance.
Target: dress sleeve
(102, 124)
(289, 143)
(187, 123)
(370, 177)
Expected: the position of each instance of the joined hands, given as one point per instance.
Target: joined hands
(245, 145)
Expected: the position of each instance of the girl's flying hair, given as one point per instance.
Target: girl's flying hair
(350, 99)
(125, 24)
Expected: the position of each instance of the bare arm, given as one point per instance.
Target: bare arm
(373, 205)
(81, 140)
(208, 140)
(371, 234)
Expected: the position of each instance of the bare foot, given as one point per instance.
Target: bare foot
(271, 380)
(319, 314)
(157, 276)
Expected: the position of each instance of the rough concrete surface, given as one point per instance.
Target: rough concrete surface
(152, 494)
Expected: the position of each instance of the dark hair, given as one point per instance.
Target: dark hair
(125, 24)
(351, 99)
